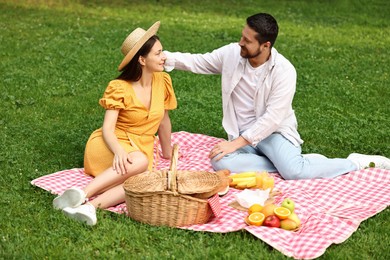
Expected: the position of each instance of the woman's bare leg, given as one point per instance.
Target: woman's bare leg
(111, 197)
(110, 179)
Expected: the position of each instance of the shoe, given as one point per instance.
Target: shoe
(85, 213)
(72, 197)
(369, 161)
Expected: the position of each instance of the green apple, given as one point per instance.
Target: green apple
(294, 217)
(288, 204)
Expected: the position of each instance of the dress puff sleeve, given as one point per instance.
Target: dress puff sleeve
(170, 98)
(113, 97)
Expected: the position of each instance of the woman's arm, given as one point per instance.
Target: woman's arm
(164, 133)
(120, 163)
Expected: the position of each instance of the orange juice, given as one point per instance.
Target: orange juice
(259, 181)
(268, 182)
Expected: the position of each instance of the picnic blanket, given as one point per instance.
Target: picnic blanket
(330, 209)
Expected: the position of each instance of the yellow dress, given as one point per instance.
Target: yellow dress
(136, 126)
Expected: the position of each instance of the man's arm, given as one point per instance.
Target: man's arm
(208, 63)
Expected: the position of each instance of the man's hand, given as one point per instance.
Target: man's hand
(221, 149)
(225, 147)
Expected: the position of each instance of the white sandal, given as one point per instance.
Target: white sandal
(85, 213)
(72, 197)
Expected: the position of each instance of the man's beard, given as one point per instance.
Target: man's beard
(247, 55)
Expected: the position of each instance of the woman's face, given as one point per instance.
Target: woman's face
(155, 59)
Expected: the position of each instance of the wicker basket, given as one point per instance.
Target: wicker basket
(162, 198)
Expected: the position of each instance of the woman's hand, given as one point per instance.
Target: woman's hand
(168, 156)
(121, 163)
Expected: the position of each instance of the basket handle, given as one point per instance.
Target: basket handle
(172, 183)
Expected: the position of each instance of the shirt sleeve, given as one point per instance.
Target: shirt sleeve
(113, 97)
(170, 101)
(207, 63)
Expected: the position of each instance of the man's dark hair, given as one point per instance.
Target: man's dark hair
(133, 70)
(266, 27)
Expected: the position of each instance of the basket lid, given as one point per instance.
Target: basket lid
(177, 181)
(149, 181)
(191, 182)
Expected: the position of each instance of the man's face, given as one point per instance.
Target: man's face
(250, 47)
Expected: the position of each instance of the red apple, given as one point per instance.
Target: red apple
(272, 221)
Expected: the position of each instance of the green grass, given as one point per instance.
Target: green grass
(56, 58)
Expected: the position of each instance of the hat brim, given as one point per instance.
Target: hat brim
(148, 34)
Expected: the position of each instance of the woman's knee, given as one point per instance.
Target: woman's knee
(139, 160)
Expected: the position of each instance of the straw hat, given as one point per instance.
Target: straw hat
(135, 41)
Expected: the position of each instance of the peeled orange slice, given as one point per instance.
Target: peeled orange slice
(256, 219)
(282, 212)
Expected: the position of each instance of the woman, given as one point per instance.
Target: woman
(137, 105)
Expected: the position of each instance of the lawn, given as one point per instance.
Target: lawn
(56, 58)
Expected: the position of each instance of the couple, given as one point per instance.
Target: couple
(258, 86)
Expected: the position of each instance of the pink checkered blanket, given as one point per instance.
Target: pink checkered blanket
(330, 209)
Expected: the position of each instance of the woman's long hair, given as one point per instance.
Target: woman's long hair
(133, 70)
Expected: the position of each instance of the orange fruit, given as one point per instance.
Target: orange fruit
(256, 219)
(255, 208)
(282, 212)
(268, 209)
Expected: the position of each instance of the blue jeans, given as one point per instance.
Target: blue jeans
(277, 154)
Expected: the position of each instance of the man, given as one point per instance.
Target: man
(258, 86)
